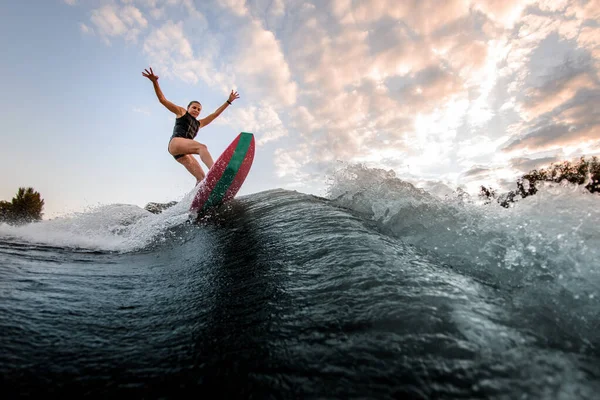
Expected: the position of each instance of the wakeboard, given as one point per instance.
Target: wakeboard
(225, 178)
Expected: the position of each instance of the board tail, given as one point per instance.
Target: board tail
(225, 178)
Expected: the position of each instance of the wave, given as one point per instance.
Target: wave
(552, 234)
(556, 228)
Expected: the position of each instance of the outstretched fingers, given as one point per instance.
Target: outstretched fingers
(234, 95)
(149, 74)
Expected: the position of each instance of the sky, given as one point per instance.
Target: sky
(463, 92)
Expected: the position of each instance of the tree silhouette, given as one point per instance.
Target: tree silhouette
(25, 207)
(574, 172)
(4, 210)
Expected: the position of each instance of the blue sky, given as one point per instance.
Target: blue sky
(460, 92)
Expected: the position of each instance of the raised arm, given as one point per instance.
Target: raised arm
(218, 111)
(175, 109)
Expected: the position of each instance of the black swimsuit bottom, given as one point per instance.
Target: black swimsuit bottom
(177, 156)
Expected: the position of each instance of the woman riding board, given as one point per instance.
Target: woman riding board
(182, 144)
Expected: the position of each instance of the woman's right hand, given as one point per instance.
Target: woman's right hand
(150, 75)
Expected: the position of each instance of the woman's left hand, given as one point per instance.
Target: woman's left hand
(233, 96)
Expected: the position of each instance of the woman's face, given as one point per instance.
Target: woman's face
(194, 109)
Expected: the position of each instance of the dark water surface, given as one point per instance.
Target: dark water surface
(285, 295)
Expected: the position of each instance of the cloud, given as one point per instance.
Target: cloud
(291, 162)
(589, 10)
(70, 2)
(417, 14)
(370, 75)
(439, 86)
(478, 172)
(131, 16)
(544, 99)
(261, 119)
(557, 97)
(168, 42)
(261, 64)
(527, 164)
(574, 122)
(86, 29)
(114, 21)
(589, 38)
(168, 48)
(422, 86)
(271, 12)
(107, 21)
(504, 12)
(237, 7)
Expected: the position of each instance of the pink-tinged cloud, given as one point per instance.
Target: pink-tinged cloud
(541, 100)
(584, 10)
(574, 123)
(261, 64)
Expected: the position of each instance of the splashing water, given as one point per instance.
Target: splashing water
(115, 227)
(552, 235)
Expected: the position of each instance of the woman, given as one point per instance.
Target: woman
(182, 145)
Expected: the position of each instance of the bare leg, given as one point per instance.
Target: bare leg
(206, 158)
(188, 146)
(193, 166)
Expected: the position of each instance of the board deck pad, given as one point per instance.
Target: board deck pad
(225, 178)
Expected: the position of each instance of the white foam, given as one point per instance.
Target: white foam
(555, 230)
(115, 227)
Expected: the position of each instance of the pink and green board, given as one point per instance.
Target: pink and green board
(225, 178)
